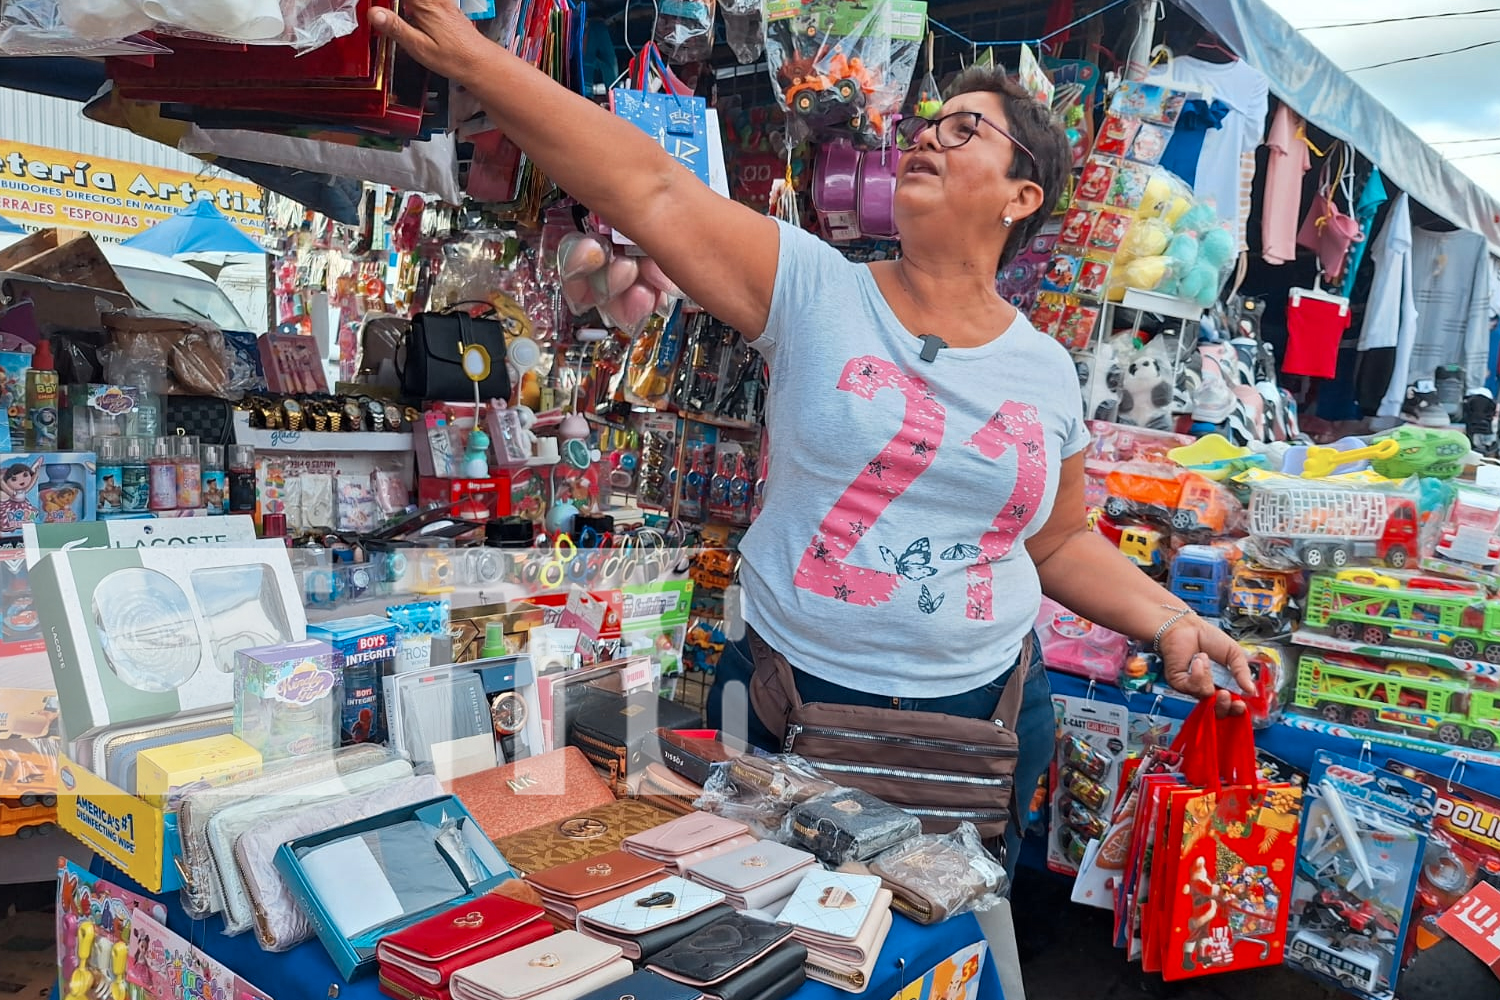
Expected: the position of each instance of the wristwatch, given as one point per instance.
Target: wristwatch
(335, 415)
(293, 411)
(508, 713)
(319, 416)
(355, 413)
(392, 417)
(376, 414)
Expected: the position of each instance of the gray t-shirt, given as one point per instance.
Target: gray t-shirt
(888, 555)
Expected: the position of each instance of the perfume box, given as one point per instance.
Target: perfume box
(137, 634)
(54, 487)
(162, 773)
(287, 698)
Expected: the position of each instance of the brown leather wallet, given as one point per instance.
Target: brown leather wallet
(593, 881)
(582, 835)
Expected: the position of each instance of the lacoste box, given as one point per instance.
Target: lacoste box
(141, 634)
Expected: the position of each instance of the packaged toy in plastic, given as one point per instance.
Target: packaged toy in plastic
(1086, 773)
(685, 29)
(627, 290)
(1468, 541)
(840, 68)
(1076, 645)
(1315, 523)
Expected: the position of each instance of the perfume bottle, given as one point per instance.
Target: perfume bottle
(242, 479)
(135, 476)
(189, 474)
(215, 483)
(163, 467)
(109, 472)
(61, 496)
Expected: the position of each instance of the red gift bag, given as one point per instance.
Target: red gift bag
(1222, 877)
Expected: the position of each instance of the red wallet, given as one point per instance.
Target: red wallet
(471, 932)
(402, 985)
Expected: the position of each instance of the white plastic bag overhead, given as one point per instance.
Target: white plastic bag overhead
(104, 27)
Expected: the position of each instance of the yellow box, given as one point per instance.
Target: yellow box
(161, 773)
(135, 837)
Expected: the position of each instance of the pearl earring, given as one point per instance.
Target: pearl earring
(1007, 222)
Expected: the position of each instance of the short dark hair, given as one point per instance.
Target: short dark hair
(1036, 127)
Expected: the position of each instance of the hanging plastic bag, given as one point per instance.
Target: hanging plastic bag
(109, 27)
(685, 29)
(40, 28)
(742, 30)
(842, 69)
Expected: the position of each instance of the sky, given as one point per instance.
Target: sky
(1450, 100)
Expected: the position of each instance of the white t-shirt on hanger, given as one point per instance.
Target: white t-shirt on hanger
(1226, 166)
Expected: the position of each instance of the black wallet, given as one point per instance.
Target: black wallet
(737, 958)
(850, 825)
(644, 985)
(614, 730)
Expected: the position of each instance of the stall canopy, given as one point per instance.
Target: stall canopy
(199, 228)
(1305, 78)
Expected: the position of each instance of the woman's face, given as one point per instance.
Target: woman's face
(960, 186)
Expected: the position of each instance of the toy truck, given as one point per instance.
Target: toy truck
(1452, 616)
(28, 816)
(1186, 503)
(1471, 533)
(1200, 578)
(1318, 526)
(1259, 601)
(1400, 697)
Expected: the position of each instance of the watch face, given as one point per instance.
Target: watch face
(354, 413)
(508, 713)
(292, 406)
(392, 416)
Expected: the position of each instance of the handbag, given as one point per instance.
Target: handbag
(943, 769)
(614, 731)
(1326, 230)
(207, 418)
(433, 368)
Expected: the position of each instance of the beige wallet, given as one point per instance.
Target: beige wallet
(565, 966)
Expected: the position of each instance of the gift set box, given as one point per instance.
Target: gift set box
(287, 698)
(147, 633)
(55, 487)
(162, 772)
(363, 881)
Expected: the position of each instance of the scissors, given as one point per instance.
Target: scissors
(551, 572)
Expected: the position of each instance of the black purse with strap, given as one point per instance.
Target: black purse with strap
(434, 357)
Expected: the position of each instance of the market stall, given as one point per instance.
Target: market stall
(420, 590)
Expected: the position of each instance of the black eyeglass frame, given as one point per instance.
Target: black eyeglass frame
(911, 133)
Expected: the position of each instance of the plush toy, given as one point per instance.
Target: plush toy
(1146, 395)
(1100, 376)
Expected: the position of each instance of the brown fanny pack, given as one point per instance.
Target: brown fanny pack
(941, 768)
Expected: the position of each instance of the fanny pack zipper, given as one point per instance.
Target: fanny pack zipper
(937, 777)
(974, 815)
(795, 730)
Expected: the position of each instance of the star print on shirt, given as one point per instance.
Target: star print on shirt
(842, 592)
(820, 551)
(857, 528)
(877, 468)
(921, 448)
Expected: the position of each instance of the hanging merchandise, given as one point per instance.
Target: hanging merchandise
(1366, 206)
(1288, 159)
(841, 68)
(1315, 323)
(1085, 776)
(1326, 230)
(104, 27)
(685, 29)
(626, 290)
(664, 108)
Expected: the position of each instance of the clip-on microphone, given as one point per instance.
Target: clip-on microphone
(931, 344)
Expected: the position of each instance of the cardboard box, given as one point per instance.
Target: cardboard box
(364, 649)
(288, 698)
(46, 487)
(138, 634)
(356, 956)
(474, 499)
(161, 773)
(142, 533)
(136, 837)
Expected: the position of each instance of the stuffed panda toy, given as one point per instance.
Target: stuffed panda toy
(1146, 394)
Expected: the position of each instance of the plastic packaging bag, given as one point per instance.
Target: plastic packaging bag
(1313, 524)
(842, 69)
(937, 876)
(627, 290)
(110, 27)
(760, 791)
(848, 824)
(742, 29)
(685, 29)
(40, 28)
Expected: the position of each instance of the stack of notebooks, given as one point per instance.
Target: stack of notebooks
(843, 920)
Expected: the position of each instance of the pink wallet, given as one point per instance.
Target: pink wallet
(565, 966)
(690, 839)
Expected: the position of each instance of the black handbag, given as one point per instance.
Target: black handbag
(434, 357)
(207, 418)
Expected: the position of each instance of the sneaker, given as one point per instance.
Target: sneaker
(1450, 382)
(1422, 405)
(1479, 421)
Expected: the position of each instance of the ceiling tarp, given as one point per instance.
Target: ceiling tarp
(1317, 89)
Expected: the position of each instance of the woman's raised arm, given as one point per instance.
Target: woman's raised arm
(719, 252)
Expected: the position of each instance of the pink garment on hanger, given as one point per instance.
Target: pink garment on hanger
(1282, 207)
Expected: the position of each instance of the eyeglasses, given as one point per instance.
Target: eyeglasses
(953, 130)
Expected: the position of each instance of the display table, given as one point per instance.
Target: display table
(307, 972)
(1293, 745)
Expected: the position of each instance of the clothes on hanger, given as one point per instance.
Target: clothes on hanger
(1314, 326)
(1451, 274)
(1371, 197)
(1186, 145)
(1226, 163)
(1281, 209)
(1391, 310)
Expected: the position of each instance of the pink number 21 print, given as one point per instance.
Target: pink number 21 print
(825, 568)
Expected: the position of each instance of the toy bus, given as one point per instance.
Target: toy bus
(1422, 611)
(1400, 697)
(1351, 968)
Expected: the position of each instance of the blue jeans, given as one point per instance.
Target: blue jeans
(729, 709)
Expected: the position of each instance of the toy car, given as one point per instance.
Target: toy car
(1259, 602)
(1200, 577)
(1143, 546)
(837, 96)
(1186, 503)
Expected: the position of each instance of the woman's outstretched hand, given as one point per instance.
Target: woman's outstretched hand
(435, 33)
(1186, 650)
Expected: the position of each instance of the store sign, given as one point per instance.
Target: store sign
(114, 200)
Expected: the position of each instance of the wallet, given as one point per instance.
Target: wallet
(664, 788)
(685, 837)
(433, 949)
(579, 836)
(735, 958)
(583, 884)
(693, 755)
(614, 730)
(755, 877)
(531, 792)
(931, 877)
(566, 966)
(780, 779)
(845, 974)
(402, 985)
(843, 919)
(848, 824)
(655, 916)
(645, 985)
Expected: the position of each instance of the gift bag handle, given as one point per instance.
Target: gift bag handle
(1198, 743)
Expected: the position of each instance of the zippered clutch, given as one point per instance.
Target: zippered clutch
(850, 825)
